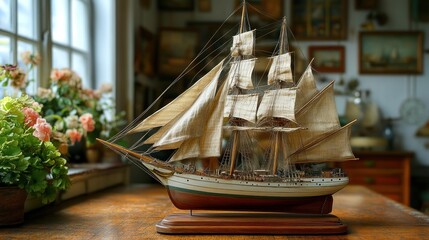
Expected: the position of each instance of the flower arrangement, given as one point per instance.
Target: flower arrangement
(16, 77)
(27, 156)
(77, 113)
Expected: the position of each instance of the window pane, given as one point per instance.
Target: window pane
(79, 18)
(5, 14)
(5, 50)
(60, 21)
(60, 58)
(26, 18)
(32, 75)
(79, 65)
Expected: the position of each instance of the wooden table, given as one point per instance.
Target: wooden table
(131, 212)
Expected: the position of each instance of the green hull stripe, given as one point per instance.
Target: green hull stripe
(234, 196)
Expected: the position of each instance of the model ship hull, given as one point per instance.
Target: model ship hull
(200, 192)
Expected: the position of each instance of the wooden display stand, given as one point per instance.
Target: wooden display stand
(251, 223)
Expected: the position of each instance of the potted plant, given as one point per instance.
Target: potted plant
(80, 114)
(29, 162)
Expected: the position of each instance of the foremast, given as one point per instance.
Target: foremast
(240, 72)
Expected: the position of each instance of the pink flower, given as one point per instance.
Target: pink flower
(42, 130)
(88, 123)
(105, 88)
(18, 78)
(74, 135)
(67, 74)
(9, 67)
(64, 74)
(56, 75)
(29, 58)
(31, 116)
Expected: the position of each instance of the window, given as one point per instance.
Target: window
(18, 33)
(22, 23)
(70, 37)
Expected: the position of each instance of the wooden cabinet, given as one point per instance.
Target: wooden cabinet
(387, 173)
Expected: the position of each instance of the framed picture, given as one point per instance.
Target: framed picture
(177, 48)
(144, 56)
(327, 58)
(366, 4)
(398, 52)
(177, 5)
(319, 20)
(419, 10)
(266, 9)
(204, 5)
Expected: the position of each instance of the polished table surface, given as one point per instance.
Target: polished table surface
(131, 212)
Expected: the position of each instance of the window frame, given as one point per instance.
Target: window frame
(43, 42)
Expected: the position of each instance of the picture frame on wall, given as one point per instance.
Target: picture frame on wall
(319, 20)
(419, 10)
(204, 5)
(393, 52)
(272, 8)
(177, 49)
(176, 5)
(366, 4)
(328, 59)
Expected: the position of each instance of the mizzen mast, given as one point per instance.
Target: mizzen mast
(282, 49)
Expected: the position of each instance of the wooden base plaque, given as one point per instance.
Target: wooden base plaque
(251, 223)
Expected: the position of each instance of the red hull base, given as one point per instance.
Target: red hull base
(197, 201)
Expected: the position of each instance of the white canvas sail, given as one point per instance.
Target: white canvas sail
(279, 103)
(280, 70)
(321, 105)
(242, 106)
(332, 146)
(190, 124)
(243, 44)
(178, 105)
(209, 144)
(306, 88)
(240, 74)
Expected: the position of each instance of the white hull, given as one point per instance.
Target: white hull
(306, 187)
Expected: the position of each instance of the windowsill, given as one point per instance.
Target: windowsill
(86, 179)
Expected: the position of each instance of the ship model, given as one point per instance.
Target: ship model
(245, 147)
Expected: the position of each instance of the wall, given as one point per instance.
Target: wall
(388, 91)
(146, 17)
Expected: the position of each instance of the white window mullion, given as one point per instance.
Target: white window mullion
(14, 43)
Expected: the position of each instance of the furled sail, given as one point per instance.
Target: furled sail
(240, 74)
(178, 105)
(209, 144)
(280, 70)
(243, 44)
(332, 146)
(306, 88)
(191, 122)
(242, 106)
(279, 103)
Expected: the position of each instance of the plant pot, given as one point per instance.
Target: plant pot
(77, 152)
(93, 154)
(12, 202)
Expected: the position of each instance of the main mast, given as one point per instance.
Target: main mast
(235, 132)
